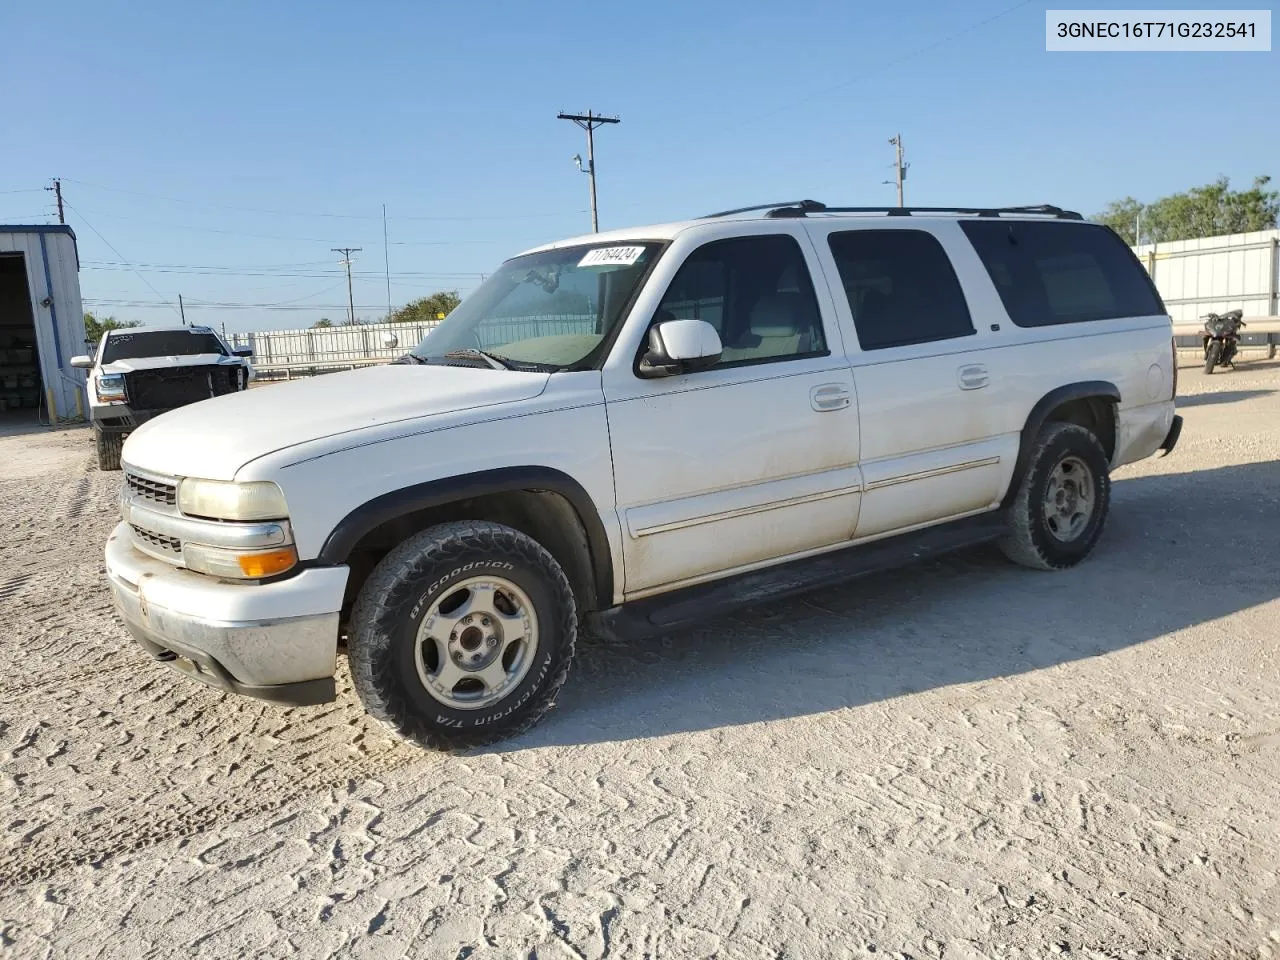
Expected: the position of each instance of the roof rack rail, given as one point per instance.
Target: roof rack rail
(800, 208)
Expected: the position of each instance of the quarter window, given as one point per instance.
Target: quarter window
(1050, 273)
(901, 287)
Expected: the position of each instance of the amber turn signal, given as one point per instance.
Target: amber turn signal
(258, 565)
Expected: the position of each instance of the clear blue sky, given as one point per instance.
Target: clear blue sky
(164, 119)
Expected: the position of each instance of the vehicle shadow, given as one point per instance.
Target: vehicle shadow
(969, 617)
(1226, 396)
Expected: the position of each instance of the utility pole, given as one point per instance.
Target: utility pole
(346, 254)
(386, 254)
(182, 312)
(900, 168)
(589, 124)
(57, 192)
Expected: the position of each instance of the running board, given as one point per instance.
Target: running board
(680, 608)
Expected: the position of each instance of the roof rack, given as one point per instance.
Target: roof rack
(801, 208)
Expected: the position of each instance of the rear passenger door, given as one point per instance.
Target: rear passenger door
(923, 370)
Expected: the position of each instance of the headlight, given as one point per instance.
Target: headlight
(218, 500)
(110, 386)
(238, 564)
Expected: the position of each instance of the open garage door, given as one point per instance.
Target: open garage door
(20, 382)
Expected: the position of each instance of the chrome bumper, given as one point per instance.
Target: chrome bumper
(275, 641)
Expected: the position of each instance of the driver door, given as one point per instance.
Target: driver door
(754, 459)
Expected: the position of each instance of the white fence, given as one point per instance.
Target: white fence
(1240, 271)
(331, 345)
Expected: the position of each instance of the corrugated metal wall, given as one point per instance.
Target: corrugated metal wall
(1239, 271)
(53, 275)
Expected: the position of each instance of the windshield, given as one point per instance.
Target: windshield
(550, 310)
(158, 343)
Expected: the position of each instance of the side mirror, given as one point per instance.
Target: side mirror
(82, 363)
(680, 346)
(242, 351)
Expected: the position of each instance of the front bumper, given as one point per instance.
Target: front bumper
(275, 641)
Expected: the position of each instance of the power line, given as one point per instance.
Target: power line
(57, 191)
(336, 216)
(878, 70)
(122, 257)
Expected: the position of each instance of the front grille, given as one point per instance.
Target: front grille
(157, 541)
(153, 490)
(171, 387)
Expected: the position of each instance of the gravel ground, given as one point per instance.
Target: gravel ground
(962, 759)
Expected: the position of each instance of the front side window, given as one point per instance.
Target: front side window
(134, 344)
(756, 292)
(1050, 273)
(551, 310)
(901, 287)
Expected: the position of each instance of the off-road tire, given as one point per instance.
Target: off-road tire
(1212, 356)
(396, 598)
(1029, 541)
(109, 447)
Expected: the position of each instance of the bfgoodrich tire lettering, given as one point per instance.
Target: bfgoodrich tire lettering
(411, 584)
(1065, 458)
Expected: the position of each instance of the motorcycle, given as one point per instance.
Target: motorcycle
(1221, 334)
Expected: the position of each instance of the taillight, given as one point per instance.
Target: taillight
(1173, 342)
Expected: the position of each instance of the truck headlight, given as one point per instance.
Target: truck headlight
(110, 386)
(238, 564)
(219, 500)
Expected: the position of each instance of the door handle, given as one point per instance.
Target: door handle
(829, 396)
(973, 376)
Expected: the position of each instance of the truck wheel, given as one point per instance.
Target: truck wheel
(1212, 356)
(462, 635)
(1063, 500)
(109, 446)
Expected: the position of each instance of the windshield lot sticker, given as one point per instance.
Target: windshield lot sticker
(611, 257)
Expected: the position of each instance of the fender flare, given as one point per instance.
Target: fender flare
(372, 514)
(1085, 390)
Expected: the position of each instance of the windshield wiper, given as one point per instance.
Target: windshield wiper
(495, 361)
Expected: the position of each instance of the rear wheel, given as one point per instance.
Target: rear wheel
(1212, 355)
(109, 447)
(462, 635)
(1062, 504)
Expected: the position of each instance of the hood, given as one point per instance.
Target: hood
(130, 364)
(214, 438)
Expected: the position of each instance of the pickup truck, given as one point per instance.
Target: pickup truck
(623, 432)
(139, 373)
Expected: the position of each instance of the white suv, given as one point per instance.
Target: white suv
(629, 430)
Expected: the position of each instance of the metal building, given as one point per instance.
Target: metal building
(41, 325)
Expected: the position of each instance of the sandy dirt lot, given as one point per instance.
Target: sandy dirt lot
(963, 759)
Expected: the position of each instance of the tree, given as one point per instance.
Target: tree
(95, 327)
(1210, 210)
(322, 322)
(442, 302)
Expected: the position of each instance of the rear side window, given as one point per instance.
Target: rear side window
(901, 287)
(1050, 273)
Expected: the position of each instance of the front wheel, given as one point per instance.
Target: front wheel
(462, 635)
(1212, 356)
(1063, 500)
(110, 446)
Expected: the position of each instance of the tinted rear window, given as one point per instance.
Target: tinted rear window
(158, 343)
(1050, 273)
